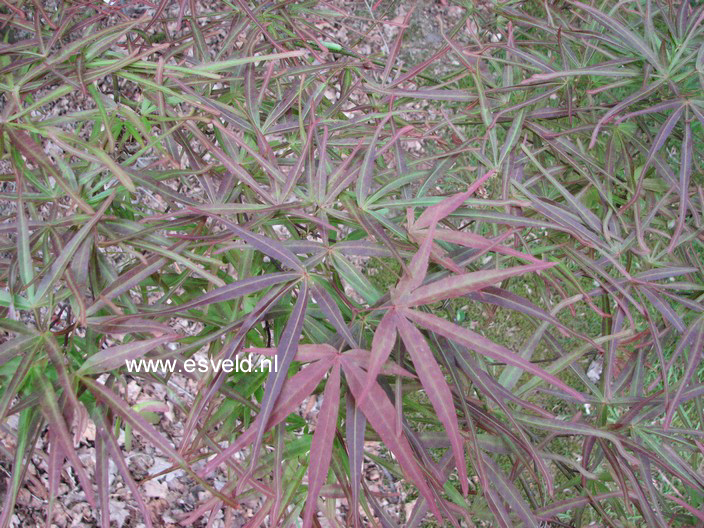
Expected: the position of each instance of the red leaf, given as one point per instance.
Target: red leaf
(363, 357)
(295, 389)
(437, 390)
(381, 414)
(419, 265)
(473, 341)
(458, 285)
(441, 210)
(355, 424)
(472, 240)
(382, 345)
(321, 446)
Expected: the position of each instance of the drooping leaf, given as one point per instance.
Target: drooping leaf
(321, 445)
(286, 351)
(355, 424)
(295, 389)
(437, 390)
(269, 247)
(473, 341)
(115, 356)
(64, 259)
(458, 285)
(380, 414)
(382, 345)
(509, 493)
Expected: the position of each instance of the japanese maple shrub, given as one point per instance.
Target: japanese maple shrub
(478, 268)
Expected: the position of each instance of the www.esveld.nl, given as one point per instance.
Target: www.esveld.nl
(203, 365)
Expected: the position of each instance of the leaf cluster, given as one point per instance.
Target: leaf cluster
(213, 183)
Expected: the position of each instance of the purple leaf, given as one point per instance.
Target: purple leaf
(664, 308)
(474, 241)
(113, 448)
(55, 463)
(444, 467)
(115, 356)
(511, 301)
(429, 94)
(330, 308)
(366, 178)
(449, 205)
(12, 348)
(102, 478)
(685, 175)
(569, 428)
(509, 493)
(546, 513)
(35, 153)
(664, 273)
(286, 351)
(133, 277)
(363, 248)
(695, 336)
(230, 164)
(121, 325)
(231, 291)
(699, 514)
(664, 132)
(148, 431)
(59, 264)
(271, 248)
(50, 408)
(305, 353)
(630, 39)
(592, 71)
